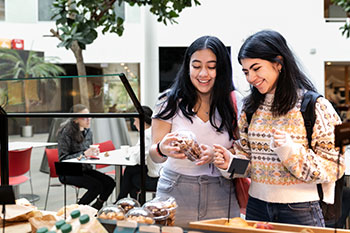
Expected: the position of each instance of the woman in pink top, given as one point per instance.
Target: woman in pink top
(198, 103)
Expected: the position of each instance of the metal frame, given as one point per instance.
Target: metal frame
(4, 163)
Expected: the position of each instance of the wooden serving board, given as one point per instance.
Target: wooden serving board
(219, 226)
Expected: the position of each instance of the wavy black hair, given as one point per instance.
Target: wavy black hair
(73, 128)
(269, 45)
(182, 94)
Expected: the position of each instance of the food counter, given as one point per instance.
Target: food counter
(157, 215)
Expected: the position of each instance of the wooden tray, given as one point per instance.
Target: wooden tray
(218, 225)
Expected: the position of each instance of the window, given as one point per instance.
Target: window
(119, 9)
(337, 89)
(45, 10)
(333, 11)
(2, 10)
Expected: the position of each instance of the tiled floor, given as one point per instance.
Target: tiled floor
(40, 179)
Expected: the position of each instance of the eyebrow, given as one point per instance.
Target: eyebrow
(251, 66)
(211, 61)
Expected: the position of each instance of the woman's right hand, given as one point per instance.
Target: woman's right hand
(167, 147)
(222, 157)
(91, 152)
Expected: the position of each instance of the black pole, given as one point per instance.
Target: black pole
(142, 159)
(229, 200)
(142, 134)
(4, 159)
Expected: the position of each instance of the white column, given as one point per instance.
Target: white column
(149, 79)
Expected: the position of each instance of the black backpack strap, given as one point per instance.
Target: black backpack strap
(249, 119)
(307, 109)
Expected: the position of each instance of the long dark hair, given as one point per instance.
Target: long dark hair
(183, 94)
(73, 128)
(268, 45)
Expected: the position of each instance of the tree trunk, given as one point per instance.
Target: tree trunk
(83, 87)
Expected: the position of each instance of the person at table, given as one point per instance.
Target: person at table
(199, 101)
(131, 180)
(74, 139)
(284, 171)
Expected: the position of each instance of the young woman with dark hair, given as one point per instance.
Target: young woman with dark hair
(199, 101)
(74, 140)
(284, 171)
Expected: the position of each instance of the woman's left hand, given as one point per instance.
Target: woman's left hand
(207, 155)
(279, 137)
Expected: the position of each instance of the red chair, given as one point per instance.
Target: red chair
(104, 147)
(19, 166)
(52, 157)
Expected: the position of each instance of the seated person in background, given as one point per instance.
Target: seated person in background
(74, 139)
(131, 180)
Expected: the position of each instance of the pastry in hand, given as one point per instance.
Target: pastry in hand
(188, 145)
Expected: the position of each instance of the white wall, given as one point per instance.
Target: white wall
(301, 22)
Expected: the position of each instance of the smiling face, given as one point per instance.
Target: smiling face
(262, 74)
(203, 70)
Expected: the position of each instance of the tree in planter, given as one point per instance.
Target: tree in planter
(78, 20)
(13, 66)
(345, 4)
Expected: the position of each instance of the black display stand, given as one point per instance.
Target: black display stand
(237, 166)
(7, 197)
(140, 114)
(67, 169)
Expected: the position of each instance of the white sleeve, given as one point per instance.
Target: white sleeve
(239, 102)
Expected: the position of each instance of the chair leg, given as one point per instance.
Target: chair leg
(31, 186)
(47, 194)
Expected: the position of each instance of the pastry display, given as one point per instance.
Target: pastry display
(127, 204)
(140, 215)
(237, 222)
(188, 145)
(159, 211)
(166, 203)
(111, 213)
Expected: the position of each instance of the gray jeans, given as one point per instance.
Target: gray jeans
(198, 197)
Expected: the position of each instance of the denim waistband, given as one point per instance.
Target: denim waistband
(203, 179)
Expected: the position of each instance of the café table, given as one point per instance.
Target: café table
(117, 158)
(25, 145)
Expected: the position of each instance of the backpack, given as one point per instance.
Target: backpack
(331, 212)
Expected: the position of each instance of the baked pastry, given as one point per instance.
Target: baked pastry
(237, 222)
(127, 204)
(140, 215)
(111, 213)
(188, 145)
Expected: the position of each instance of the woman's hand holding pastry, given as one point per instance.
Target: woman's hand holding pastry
(169, 148)
(222, 157)
(207, 155)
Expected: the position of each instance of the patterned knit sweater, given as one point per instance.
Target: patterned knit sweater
(288, 174)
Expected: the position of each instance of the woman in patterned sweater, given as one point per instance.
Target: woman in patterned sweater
(284, 171)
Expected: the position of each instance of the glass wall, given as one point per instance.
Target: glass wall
(2, 10)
